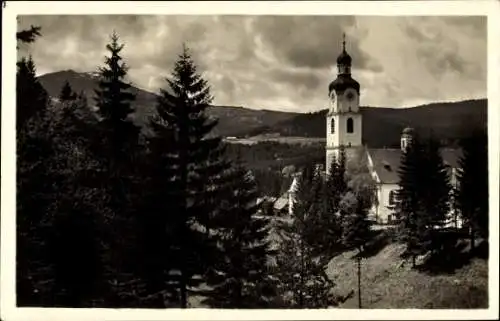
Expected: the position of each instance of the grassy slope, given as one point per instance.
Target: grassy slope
(387, 283)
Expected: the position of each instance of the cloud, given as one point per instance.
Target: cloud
(308, 41)
(278, 62)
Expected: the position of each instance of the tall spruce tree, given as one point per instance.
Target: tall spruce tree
(34, 185)
(117, 150)
(32, 97)
(334, 189)
(303, 282)
(199, 168)
(409, 207)
(472, 194)
(435, 192)
(240, 278)
(156, 223)
(329, 238)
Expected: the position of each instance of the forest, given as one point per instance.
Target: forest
(110, 217)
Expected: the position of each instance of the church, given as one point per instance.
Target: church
(344, 122)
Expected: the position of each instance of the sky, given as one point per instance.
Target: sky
(280, 62)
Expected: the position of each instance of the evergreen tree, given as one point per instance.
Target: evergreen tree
(472, 194)
(435, 192)
(34, 185)
(303, 282)
(197, 161)
(31, 96)
(28, 35)
(334, 189)
(117, 150)
(114, 99)
(412, 218)
(240, 278)
(156, 223)
(67, 93)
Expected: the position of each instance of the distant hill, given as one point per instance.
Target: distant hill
(232, 120)
(383, 126)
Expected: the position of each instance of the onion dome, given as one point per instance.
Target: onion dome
(343, 82)
(344, 58)
(408, 131)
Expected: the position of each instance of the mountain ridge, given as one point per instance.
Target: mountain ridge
(381, 125)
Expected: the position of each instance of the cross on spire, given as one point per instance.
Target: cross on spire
(343, 41)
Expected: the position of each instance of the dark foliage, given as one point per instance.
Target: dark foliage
(182, 146)
(472, 192)
(303, 282)
(240, 278)
(31, 97)
(29, 35)
(67, 93)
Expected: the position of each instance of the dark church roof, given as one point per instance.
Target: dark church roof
(344, 58)
(343, 82)
(408, 130)
(386, 162)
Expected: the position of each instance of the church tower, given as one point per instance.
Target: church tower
(344, 120)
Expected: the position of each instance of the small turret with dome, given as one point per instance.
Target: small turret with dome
(406, 137)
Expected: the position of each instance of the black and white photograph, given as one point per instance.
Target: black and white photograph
(167, 159)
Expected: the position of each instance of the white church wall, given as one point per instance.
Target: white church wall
(384, 211)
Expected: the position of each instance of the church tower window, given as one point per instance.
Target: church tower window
(350, 125)
(332, 126)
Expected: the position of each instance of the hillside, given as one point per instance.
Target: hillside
(388, 282)
(382, 126)
(232, 120)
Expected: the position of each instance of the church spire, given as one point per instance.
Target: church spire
(344, 60)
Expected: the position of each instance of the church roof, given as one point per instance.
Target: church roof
(408, 130)
(342, 82)
(386, 162)
(344, 58)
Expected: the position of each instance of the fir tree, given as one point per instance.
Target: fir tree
(334, 189)
(114, 99)
(240, 278)
(67, 93)
(195, 189)
(410, 210)
(435, 192)
(117, 150)
(28, 35)
(31, 97)
(303, 282)
(472, 194)
(34, 185)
